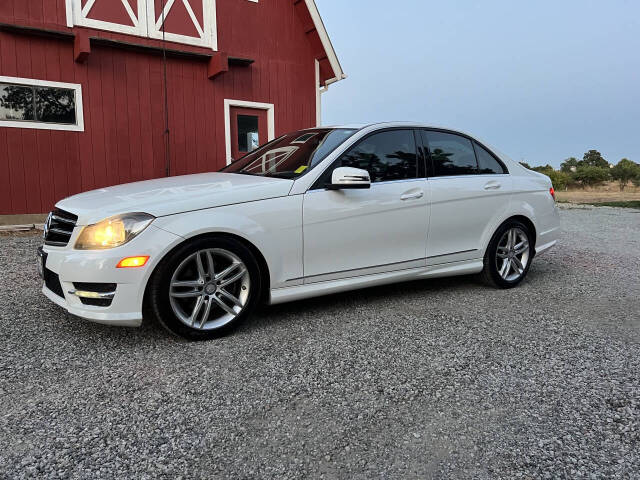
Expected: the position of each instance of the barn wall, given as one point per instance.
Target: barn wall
(123, 101)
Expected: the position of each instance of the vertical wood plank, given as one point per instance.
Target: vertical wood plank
(146, 125)
(121, 120)
(156, 90)
(133, 116)
(95, 129)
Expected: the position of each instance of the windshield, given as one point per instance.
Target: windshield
(291, 155)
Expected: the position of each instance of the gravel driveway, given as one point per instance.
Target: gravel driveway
(441, 378)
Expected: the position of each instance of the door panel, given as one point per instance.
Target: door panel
(465, 204)
(462, 208)
(380, 229)
(248, 130)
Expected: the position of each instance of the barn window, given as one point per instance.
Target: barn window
(192, 22)
(248, 139)
(28, 103)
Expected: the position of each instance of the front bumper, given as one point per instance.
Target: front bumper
(99, 266)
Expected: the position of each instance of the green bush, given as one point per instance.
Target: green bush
(591, 176)
(547, 169)
(560, 180)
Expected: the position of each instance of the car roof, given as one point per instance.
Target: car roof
(379, 125)
(406, 124)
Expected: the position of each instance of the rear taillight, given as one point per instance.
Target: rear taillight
(553, 193)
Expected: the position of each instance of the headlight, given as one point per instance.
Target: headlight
(113, 232)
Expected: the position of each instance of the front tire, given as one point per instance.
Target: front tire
(508, 256)
(205, 288)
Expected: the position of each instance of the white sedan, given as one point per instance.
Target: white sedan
(313, 212)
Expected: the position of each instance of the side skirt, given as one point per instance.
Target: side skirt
(300, 292)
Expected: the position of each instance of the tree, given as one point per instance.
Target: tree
(591, 176)
(526, 165)
(569, 164)
(593, 159)
(560, 180)
(624, 171)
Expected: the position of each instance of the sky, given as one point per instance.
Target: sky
(538, 80)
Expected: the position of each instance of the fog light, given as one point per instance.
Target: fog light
(133, 262)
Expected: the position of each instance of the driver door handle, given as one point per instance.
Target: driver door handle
(412, 196)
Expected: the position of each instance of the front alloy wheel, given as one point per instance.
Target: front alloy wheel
(205, 288)
(209, 289)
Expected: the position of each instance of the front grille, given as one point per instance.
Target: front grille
(59, 227)
(52, 282)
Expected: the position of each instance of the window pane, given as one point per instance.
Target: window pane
(451, 154)
(386, 156)
(16, 102)
(486, 162)
(55, 105)
(248, 139)
(288, 157)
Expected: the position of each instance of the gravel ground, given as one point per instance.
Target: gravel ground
(433, 379)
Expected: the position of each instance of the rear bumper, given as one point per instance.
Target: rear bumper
(67, 266)
(547, 239)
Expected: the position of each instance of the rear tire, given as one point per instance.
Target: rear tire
(205, 288)
(508, 256)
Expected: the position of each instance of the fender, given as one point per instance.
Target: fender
(273, 226)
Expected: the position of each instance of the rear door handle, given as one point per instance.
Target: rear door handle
(492, 186)
(412, 196)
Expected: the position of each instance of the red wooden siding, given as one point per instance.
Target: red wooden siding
(123, 100)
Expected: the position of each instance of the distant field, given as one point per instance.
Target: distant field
(608, 194)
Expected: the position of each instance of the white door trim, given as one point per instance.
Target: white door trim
(316, 87)
(228, 103)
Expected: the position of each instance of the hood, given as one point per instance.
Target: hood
(167, 196)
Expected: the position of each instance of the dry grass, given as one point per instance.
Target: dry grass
(609, 192)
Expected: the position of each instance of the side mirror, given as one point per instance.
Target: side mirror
(348, 177)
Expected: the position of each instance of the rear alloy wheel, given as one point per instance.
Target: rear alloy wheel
(508, 256)
(205, 289)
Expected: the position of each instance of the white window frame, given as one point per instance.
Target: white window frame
(207, 38)
(31, 82)
(80, 17)
(228, 103)
(146, 24)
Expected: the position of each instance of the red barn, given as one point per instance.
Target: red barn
(101, 92)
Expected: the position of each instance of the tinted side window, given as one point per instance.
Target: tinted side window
(451, 154)
(386, 156)
(486, 162)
